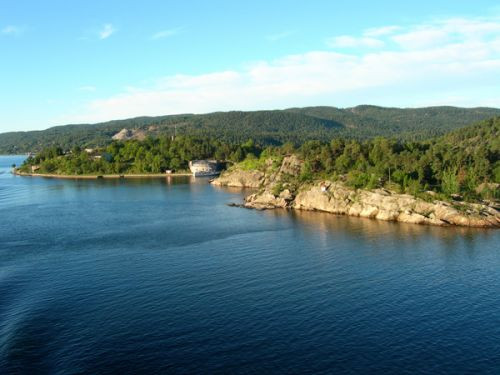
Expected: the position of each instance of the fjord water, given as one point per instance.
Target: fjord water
(160, 275)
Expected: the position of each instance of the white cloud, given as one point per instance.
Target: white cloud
(460, 64)
(455, 30)
(347, 41)
(423, 38)
(166, 33)
(278, 36)
(12, 30)
(106, 31)
(380, 31)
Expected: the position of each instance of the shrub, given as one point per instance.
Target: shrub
(306, 173)
(449, 182)
(277, 189)
(251, 162)
(358, 179)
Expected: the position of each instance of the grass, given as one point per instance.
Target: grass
(252, 163)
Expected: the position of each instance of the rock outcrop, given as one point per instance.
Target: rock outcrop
(127, 134)
(384, 205)
(337, 198)
(240, 178)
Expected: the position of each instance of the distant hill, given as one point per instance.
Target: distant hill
(294, 125)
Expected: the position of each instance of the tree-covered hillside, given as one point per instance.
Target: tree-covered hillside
(295, 125)
(367, 121)
(464, 162)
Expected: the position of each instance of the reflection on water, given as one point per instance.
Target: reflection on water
(327, 225)
(25, 191)
(399, 235)
(160, 275)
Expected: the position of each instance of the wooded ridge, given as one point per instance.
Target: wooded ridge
(276, 127)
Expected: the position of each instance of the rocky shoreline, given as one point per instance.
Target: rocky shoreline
(337, 198)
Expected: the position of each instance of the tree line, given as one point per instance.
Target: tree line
(276, 127)
(152, 155)
(464, 162)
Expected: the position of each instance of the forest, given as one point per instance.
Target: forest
(463, 163)
(152, 155)
(277, 127)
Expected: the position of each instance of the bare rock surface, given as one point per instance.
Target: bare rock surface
(127, 134)
(240, 178)
(394, 207)
(337, 198)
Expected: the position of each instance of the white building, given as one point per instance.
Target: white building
(204, 167)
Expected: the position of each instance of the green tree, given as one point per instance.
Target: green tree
(449, 181)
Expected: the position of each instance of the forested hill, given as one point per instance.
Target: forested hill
(295, 125)
(464, 162)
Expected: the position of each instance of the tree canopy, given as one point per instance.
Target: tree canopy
(294, 125)
(465, 161)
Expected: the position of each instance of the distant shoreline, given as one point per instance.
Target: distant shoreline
(103, 176)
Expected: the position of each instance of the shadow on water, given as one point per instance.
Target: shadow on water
(112, 182)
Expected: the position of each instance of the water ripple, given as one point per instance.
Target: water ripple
(151, 278)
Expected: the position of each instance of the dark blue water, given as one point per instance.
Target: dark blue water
(160, 276)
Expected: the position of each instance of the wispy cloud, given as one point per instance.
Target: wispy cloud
(369, 38)
(106, 31)
(348, 41)
(380, 31)
(87, 88)
(166, 33)
(278, 36)
(454, 30)
(12, 30)
(409, 67)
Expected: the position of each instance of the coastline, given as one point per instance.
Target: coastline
(336, 198)
(97, 177)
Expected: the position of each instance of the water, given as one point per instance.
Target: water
(159, 276)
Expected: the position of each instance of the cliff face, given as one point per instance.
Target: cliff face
(335, 197)
(240, 178)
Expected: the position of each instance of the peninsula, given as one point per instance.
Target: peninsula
(451, 180)
(276, 190)
(448, 180)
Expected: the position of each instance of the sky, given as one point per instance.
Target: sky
(89, 61)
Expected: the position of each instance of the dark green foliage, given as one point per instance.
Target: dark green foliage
(465, 161)
(277, 189)
(306, 173)
(153, 155)
(457, 163)
(292, 127)
(368, 121)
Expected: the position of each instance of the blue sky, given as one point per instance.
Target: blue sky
(89, 61)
